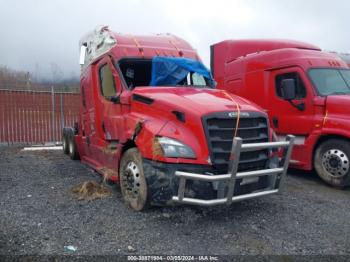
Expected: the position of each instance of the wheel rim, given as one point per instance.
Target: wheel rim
(335, 162)
(131, 180)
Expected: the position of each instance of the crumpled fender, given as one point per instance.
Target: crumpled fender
(142, 130)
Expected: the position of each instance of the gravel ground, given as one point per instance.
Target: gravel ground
(39, 215)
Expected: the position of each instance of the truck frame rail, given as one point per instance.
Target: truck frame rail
(277, 171)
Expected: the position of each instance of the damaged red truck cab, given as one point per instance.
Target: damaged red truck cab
(152, 121)
(304, 90)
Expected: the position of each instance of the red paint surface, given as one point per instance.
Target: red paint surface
(121, 119)
(248, 68)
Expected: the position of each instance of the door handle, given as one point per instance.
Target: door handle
(275, 122)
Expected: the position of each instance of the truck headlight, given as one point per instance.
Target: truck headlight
(174, 148)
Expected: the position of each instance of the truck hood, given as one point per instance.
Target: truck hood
(200, 101)
(338, 106)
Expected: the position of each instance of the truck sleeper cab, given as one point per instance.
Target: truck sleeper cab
(152, 121)
(304, 90)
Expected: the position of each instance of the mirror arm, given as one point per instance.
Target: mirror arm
(115, 99)
(300, 106)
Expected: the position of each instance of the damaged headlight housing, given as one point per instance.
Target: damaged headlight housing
(174, 148)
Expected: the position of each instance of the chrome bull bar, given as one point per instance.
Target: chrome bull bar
(237, 147)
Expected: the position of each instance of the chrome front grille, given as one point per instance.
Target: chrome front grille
(219, 129)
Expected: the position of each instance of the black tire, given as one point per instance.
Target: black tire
(132, 180)
(72, 148)
(65, 144)
(331, 162)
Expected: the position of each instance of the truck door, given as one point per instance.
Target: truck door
(87, 114)
(108, 99)
(284, 116)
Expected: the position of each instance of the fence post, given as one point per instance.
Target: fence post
(62, 112)
(53, 113)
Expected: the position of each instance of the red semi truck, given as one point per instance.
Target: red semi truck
(305, 92)
(152, 121)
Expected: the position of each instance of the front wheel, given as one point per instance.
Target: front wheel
(132, 180)
(332, 162)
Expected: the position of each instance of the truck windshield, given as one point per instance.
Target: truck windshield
(165, 71)
(331, 81)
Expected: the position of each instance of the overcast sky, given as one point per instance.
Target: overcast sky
(37, 33)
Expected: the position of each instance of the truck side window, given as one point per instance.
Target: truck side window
(300, 87)
(107, 81)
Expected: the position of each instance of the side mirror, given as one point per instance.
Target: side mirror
(115, 99)
(288, 89)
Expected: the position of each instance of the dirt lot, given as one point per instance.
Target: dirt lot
(39, 215)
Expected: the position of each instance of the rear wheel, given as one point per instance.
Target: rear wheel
(332, 162)
(132, 180)
(72, 148)
(65, 144)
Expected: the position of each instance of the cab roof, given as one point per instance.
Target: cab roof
(102, 40)
(236, 49)
(285, 58)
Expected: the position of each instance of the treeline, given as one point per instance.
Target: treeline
(21, 80)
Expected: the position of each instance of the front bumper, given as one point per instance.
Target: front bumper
(200, 185)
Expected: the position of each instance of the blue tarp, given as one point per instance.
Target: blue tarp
(171, 70)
